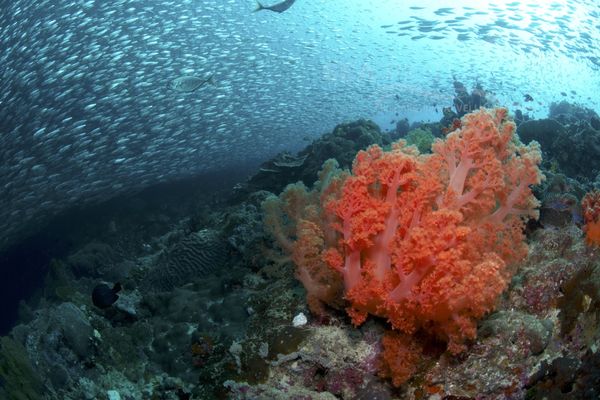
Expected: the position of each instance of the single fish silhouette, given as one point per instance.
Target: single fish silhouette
(104, 296)
(190, 83)
(278, 8)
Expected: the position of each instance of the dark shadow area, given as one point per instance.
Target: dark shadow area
(124, 221)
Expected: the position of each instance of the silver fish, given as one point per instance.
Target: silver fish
(190, 83)
(278, 8)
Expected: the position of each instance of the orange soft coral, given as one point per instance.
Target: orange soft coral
(428, 241)
(591, 216)
(302, 229)
(400, 357)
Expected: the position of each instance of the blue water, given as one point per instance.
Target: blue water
(87, 110)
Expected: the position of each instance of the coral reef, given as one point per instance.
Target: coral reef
(18, 379)
(569, 141)
(473, 303)
(421, 138)
(197, 254)
(342, 144)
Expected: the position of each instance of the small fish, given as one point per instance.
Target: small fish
(527, 98)
(104, 296)
(444, 11)
(189, 83)
(278, 8)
